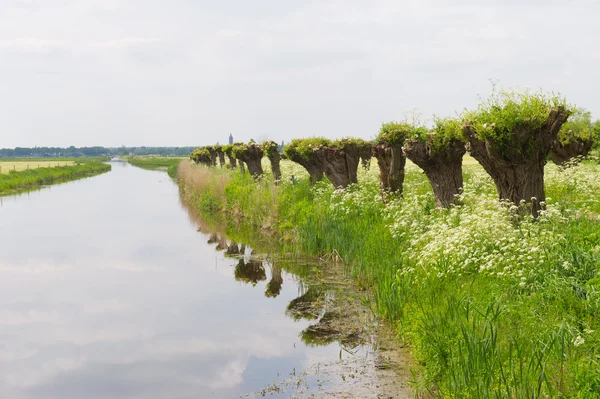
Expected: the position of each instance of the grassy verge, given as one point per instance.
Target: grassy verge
(157, 163)
(28, 179)
(494, 306)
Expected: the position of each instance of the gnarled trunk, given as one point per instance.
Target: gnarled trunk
(221, 155)
(314, 170)
(242, 166)
(252, 156)
(397, 164)
(383, 154)
(443, 168)
(333, 162)
(561, 154)
(518, 172)
(354, 154)
(275, 158)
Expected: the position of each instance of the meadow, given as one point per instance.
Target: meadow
(494, 304)
(9, 165)
(20, 178)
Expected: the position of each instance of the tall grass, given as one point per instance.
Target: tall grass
(16, 181)
(494, 305)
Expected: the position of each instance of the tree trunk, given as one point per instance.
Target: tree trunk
(572, 151)
(354, 154)
(443, 168)
(383, 154)
(242, 166)
(333, 162)
(252, 156)
(314, 170)
(519, 170)
(366, 152)
(397, 164)
(221, 158)
(232, 161)
(275, 159)
(213, 156)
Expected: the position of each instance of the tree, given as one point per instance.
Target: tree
(388, 152)
(228, 150)
(219, 150)
(339, 160)
(301, 152)
(510, 135)
(272, 150)
(575, 138)
(439, 153)
(252, 155)
(202, 156)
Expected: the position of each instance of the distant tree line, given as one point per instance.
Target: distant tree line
(70, 152)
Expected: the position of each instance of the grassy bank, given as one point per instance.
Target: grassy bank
(157, 163)
(494, 305)
(17, 181)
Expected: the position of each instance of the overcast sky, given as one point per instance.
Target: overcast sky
(189, 72)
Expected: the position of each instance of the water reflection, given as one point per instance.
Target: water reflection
(108, 291)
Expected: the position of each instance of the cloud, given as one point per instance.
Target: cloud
(30, 45)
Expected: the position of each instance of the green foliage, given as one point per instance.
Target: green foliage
(238, 150)
(394, 133)
(577, 127)
(438, 138)
(227, 149)
(29, 179)
(304, 147)
(270, 148)
(350, 141)
(596, 131)
(199, 153)
(497, 117)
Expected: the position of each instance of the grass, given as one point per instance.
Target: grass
(28, 179)
(157, 163)
(494, 305)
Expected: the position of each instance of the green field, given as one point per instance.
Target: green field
(15, 180)
(6, 165)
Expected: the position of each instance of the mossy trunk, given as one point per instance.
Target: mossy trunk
(275, 159)
(242, 166)
(383, 154)
(573, 151)
(205, 160)
(232, 161)
(443, 168)
(333, 162)
(314, 170)
(397, 164)
(518, 172)
(221, 155)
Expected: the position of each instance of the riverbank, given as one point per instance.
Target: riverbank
(15, 181)
(492, 304)
(156, 163)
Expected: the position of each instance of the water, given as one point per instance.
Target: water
(107, 290)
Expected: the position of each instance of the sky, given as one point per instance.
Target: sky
(189, 72)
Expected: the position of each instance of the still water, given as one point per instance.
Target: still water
(108, 290)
